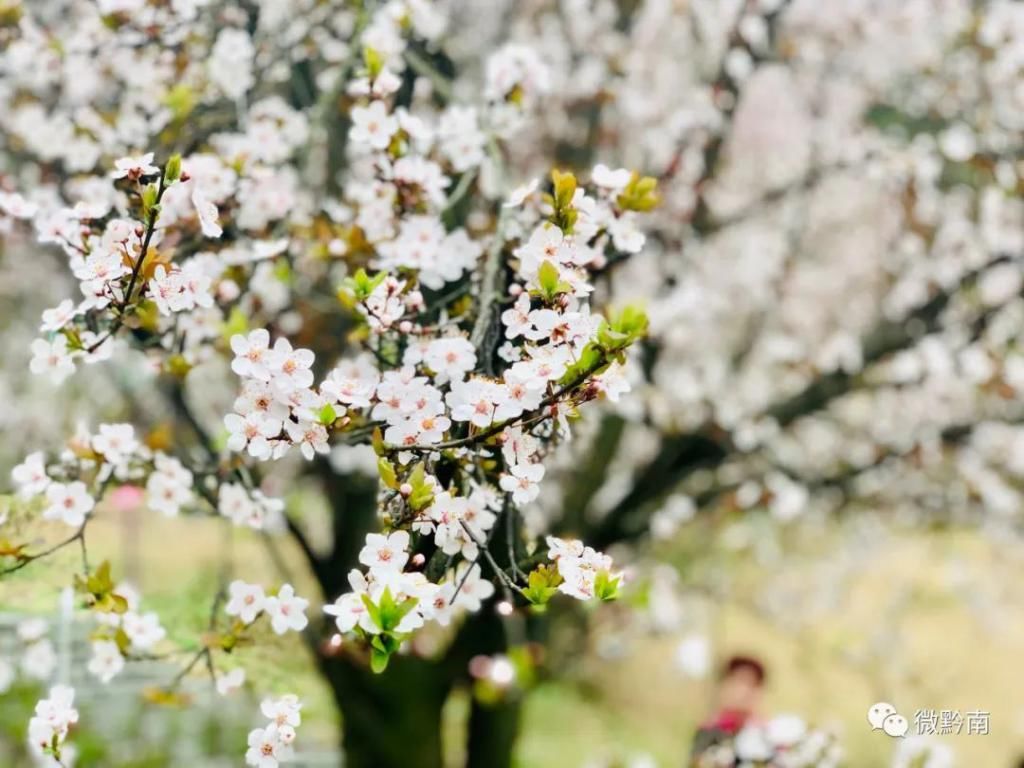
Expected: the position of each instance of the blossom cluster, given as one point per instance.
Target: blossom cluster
(584, 571)
(38, 657)
(51, 722)
(123, 632)
(387, 602)
(285, 609)
(276, 408)
(71, 487)
(270, 745)
(91, 463)
(784, 741)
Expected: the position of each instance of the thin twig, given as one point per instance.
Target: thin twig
(485, 551)
(154, 214)
(510, 535)
(465, 182)
(489, 277)
(79, 535)
(422, 67)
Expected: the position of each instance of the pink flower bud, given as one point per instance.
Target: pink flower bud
(480, 666)
(126, 498)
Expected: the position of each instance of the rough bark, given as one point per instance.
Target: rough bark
(391, 720)
(493, 730)
(394, 719)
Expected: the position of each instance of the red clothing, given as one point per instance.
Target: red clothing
(729, 721)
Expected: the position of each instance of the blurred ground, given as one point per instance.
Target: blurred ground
(938, 650)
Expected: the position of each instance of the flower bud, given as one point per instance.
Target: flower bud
(172, 172)
(228, 290)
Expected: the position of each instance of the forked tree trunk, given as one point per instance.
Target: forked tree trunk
(493, 731)
(391, 720)
(394, 719)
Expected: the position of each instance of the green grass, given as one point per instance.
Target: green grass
(937, 650)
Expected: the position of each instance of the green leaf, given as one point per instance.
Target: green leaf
(590, 361)
(623, 329)
(549, 282)
(172, 171)
(606, 587)
(328, 415)
(149, 196)
(542, 585)
(418, 475)
(547, 279)
(124, 643)
(402, 610)
(180, 100)
(374, 62)
(565, 188)
(379, 660)
(283, 272)
(237, 323)
(422, 495)
(377, 441)
(641, 194)
(100, 581)
(421, 498)
(564, 214)
(359, 286)
(385, 605)
(372, 609)
(387, 473)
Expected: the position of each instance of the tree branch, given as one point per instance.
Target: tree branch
(681, 455)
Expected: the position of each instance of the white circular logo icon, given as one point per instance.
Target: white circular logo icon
(877, 714)
(896, 726)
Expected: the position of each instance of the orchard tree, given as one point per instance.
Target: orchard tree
(389, 248)
(450, 313)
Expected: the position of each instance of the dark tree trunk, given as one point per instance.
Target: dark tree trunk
(394, 719)
(493, 730)
(391, 720)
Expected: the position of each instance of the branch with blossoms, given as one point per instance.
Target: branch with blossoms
(421, 398)
(461, 400)
(552, 343)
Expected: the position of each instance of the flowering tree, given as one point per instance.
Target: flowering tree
(347, 251)
(459, 354)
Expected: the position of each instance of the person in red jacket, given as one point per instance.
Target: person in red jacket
(737, 702)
